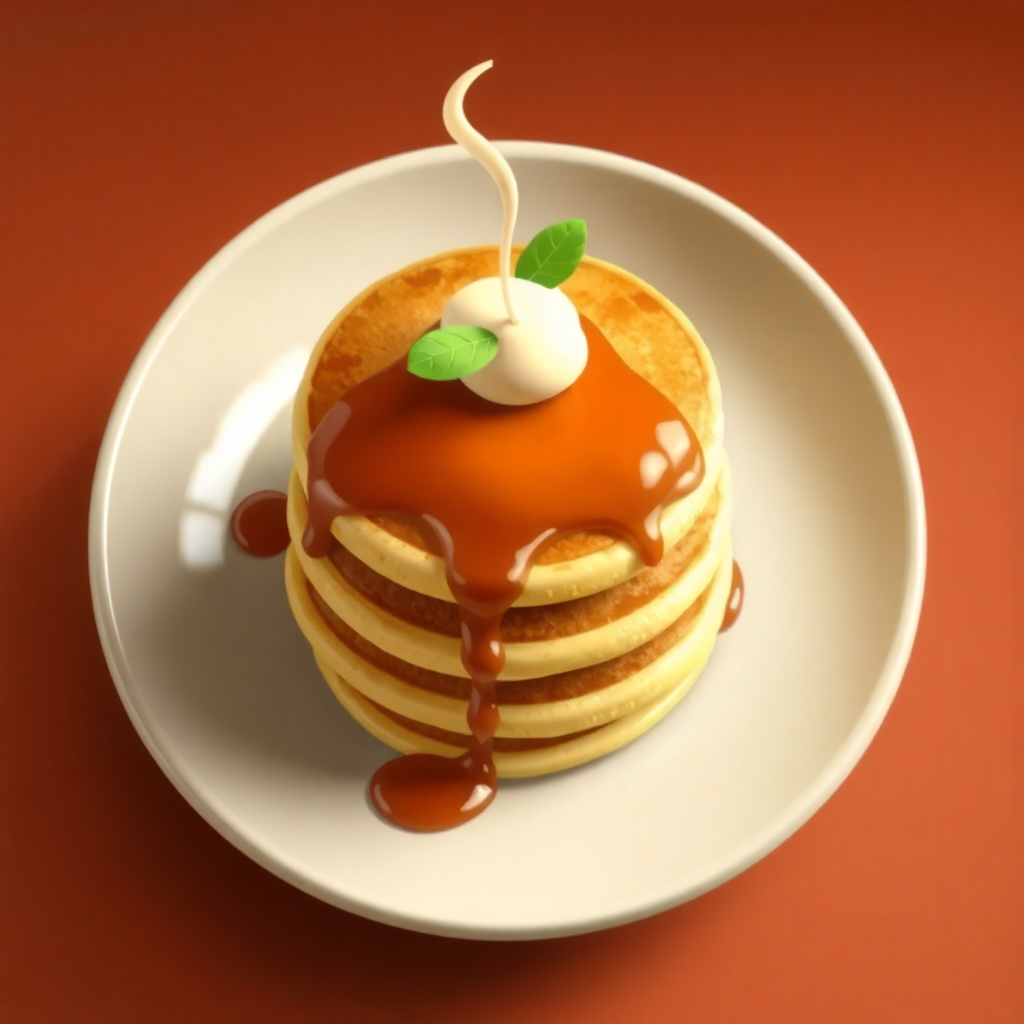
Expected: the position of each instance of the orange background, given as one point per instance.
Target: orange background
(885, 142)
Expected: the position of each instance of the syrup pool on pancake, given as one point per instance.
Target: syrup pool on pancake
(511, 425)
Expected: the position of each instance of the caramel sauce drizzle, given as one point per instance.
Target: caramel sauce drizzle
(494, 485)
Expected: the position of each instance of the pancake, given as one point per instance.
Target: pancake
(651, 335)
(519, 763)
(592, 629)
(598, 647)
(552, 706)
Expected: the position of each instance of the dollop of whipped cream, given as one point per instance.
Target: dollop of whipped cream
(538, 357)
(541, 346)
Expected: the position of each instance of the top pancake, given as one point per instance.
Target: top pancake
(379, 326)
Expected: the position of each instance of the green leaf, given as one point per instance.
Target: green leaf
(554, 253)
(452, 352)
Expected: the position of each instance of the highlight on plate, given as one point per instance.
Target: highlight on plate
(507, 531)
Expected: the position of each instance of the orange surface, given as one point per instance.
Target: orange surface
(884, 141)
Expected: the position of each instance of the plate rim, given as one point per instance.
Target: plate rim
(776, 832)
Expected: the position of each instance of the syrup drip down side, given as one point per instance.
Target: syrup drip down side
(734, 605)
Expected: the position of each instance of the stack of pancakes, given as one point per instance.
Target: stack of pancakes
(599, 647)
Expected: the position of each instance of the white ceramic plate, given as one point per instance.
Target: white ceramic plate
(829, 530)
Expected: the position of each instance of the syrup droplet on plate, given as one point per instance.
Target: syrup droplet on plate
(430, 793)
(259, 524)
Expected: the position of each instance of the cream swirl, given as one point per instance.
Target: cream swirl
(494, 163)
(541, 352)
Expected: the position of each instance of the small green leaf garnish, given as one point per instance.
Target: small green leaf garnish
(554, 253)
(452, 352)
